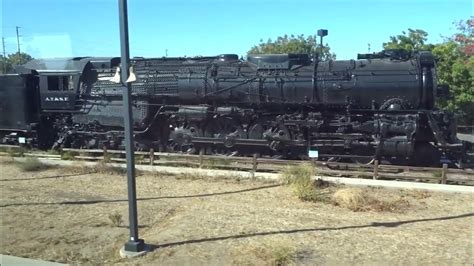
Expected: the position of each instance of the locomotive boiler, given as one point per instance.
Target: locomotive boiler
(380, 106)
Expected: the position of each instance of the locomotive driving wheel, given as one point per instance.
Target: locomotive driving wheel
(180, 138)
(277, 137)
(226, 129)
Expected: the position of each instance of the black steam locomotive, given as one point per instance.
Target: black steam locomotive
(286, 105)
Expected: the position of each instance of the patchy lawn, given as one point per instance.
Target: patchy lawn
(70, 215)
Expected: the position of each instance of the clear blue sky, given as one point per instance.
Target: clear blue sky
(60, 28)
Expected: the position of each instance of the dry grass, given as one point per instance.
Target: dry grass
(297, 173)
(258, 227)
(31, 164)
(233, 178)
(69, 155)
(300, 178)
(80, 168)
(419, 194)
(357, 199)
(437, 174)
(397, 205)
(276, 252)
(102, 167)
(116, 219)
(16, 152)
(139, 159)
(351, 198)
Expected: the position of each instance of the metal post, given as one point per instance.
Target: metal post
(321, 47)
(134, 244)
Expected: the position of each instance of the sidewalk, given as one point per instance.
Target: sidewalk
(6, 260)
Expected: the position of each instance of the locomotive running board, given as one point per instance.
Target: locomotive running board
(246, 143)
(263, 143)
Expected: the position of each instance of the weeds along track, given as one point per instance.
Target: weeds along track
(442, 175)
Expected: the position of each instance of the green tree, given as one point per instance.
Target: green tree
(455, 65)
(292, 44)
(8, 63)
(413, 40)
(5, 65)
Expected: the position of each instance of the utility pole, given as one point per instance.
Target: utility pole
(3, 44)
(4, 61)
(18, 44)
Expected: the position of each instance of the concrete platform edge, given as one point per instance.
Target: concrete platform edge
(273, 176)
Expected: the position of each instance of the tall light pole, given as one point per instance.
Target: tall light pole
(134, 245)
(321, 34)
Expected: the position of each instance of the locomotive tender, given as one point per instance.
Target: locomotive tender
(288, 105)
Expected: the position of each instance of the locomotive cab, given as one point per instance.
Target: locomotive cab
(59, 81)
(58, 91)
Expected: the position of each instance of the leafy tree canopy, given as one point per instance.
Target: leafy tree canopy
(8, 63)
(455, 64)
(292, 44)
(413, 40)
(455, 67)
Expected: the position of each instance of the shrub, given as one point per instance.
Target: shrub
(296, 173)
(16, 152)
(31, 164)
(103, 168)
(356, 199)
(139, 158)
(270, 252)
(69, 155)
(300, 177)
(116, 219)
(437, 174)
(351, 198)
(282, 255)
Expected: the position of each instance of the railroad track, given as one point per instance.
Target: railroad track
(375, 170)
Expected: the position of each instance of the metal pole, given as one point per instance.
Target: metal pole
(4, 61)
(3, 44)
(134, 244)
(321, 34)
(18, 44)
(321, 47)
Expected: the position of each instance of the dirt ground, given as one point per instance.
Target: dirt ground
(64, 215)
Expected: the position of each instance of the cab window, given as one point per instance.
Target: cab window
(60, 83)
